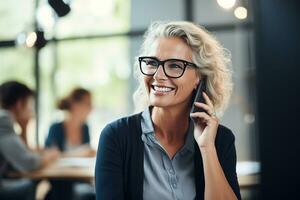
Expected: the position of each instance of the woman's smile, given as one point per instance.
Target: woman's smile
(161, 89)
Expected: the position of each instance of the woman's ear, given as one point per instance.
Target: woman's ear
(197, 81)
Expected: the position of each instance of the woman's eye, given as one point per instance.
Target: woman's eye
(174, 66)
(151, 62)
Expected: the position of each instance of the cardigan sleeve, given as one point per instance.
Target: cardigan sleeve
(109, 165)
(228, 161)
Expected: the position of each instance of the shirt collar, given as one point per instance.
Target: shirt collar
(147, 125)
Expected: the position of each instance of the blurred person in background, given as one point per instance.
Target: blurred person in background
(165, 152)
(72, 138)
(16, 101)
(72, 135)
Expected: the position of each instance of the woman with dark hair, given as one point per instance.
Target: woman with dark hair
(72, 135)
(72, 138)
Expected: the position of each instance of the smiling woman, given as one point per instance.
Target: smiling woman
(161, 153)
(206, 53)
(165, 91)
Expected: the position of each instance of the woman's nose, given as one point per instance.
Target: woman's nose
(160, 74)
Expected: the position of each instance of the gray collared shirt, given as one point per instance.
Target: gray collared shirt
(165, 178)
(13, 151)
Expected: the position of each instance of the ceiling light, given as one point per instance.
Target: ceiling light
(240, 12)
(226, 4)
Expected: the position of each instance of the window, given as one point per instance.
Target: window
(99, 65)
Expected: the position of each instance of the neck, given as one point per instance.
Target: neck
(170, 124)
(72, 120)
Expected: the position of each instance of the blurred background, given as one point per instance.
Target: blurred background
(94, 46)
(54, 46)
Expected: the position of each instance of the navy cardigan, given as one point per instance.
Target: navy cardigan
(56, 136)
(119, 171)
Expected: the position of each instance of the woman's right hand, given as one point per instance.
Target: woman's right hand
(206, 124)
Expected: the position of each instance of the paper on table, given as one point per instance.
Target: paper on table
(76, 162)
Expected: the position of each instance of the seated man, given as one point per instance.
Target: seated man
(16, 105)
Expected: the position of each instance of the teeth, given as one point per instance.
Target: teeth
(162, 89)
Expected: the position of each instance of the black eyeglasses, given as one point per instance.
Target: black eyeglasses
(173, 68)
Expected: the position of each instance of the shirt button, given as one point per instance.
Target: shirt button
(171, 171)
(174, 185)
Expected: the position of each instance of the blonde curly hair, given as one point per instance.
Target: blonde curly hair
(213, 61)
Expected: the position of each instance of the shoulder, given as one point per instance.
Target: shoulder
(56, 128)
(4, 117)
(121, 127)
(6, 123)
(224, 138)
(57, 125)
(124, 123)
(225, 133)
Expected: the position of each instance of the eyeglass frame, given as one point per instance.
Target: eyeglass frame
(162, 63)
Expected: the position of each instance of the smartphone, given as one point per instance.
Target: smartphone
(198, 97)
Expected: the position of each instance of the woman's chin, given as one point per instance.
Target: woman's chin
(160, 103)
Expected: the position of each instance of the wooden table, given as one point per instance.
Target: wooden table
(64, 168)
(246, 181)
(83, 169)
